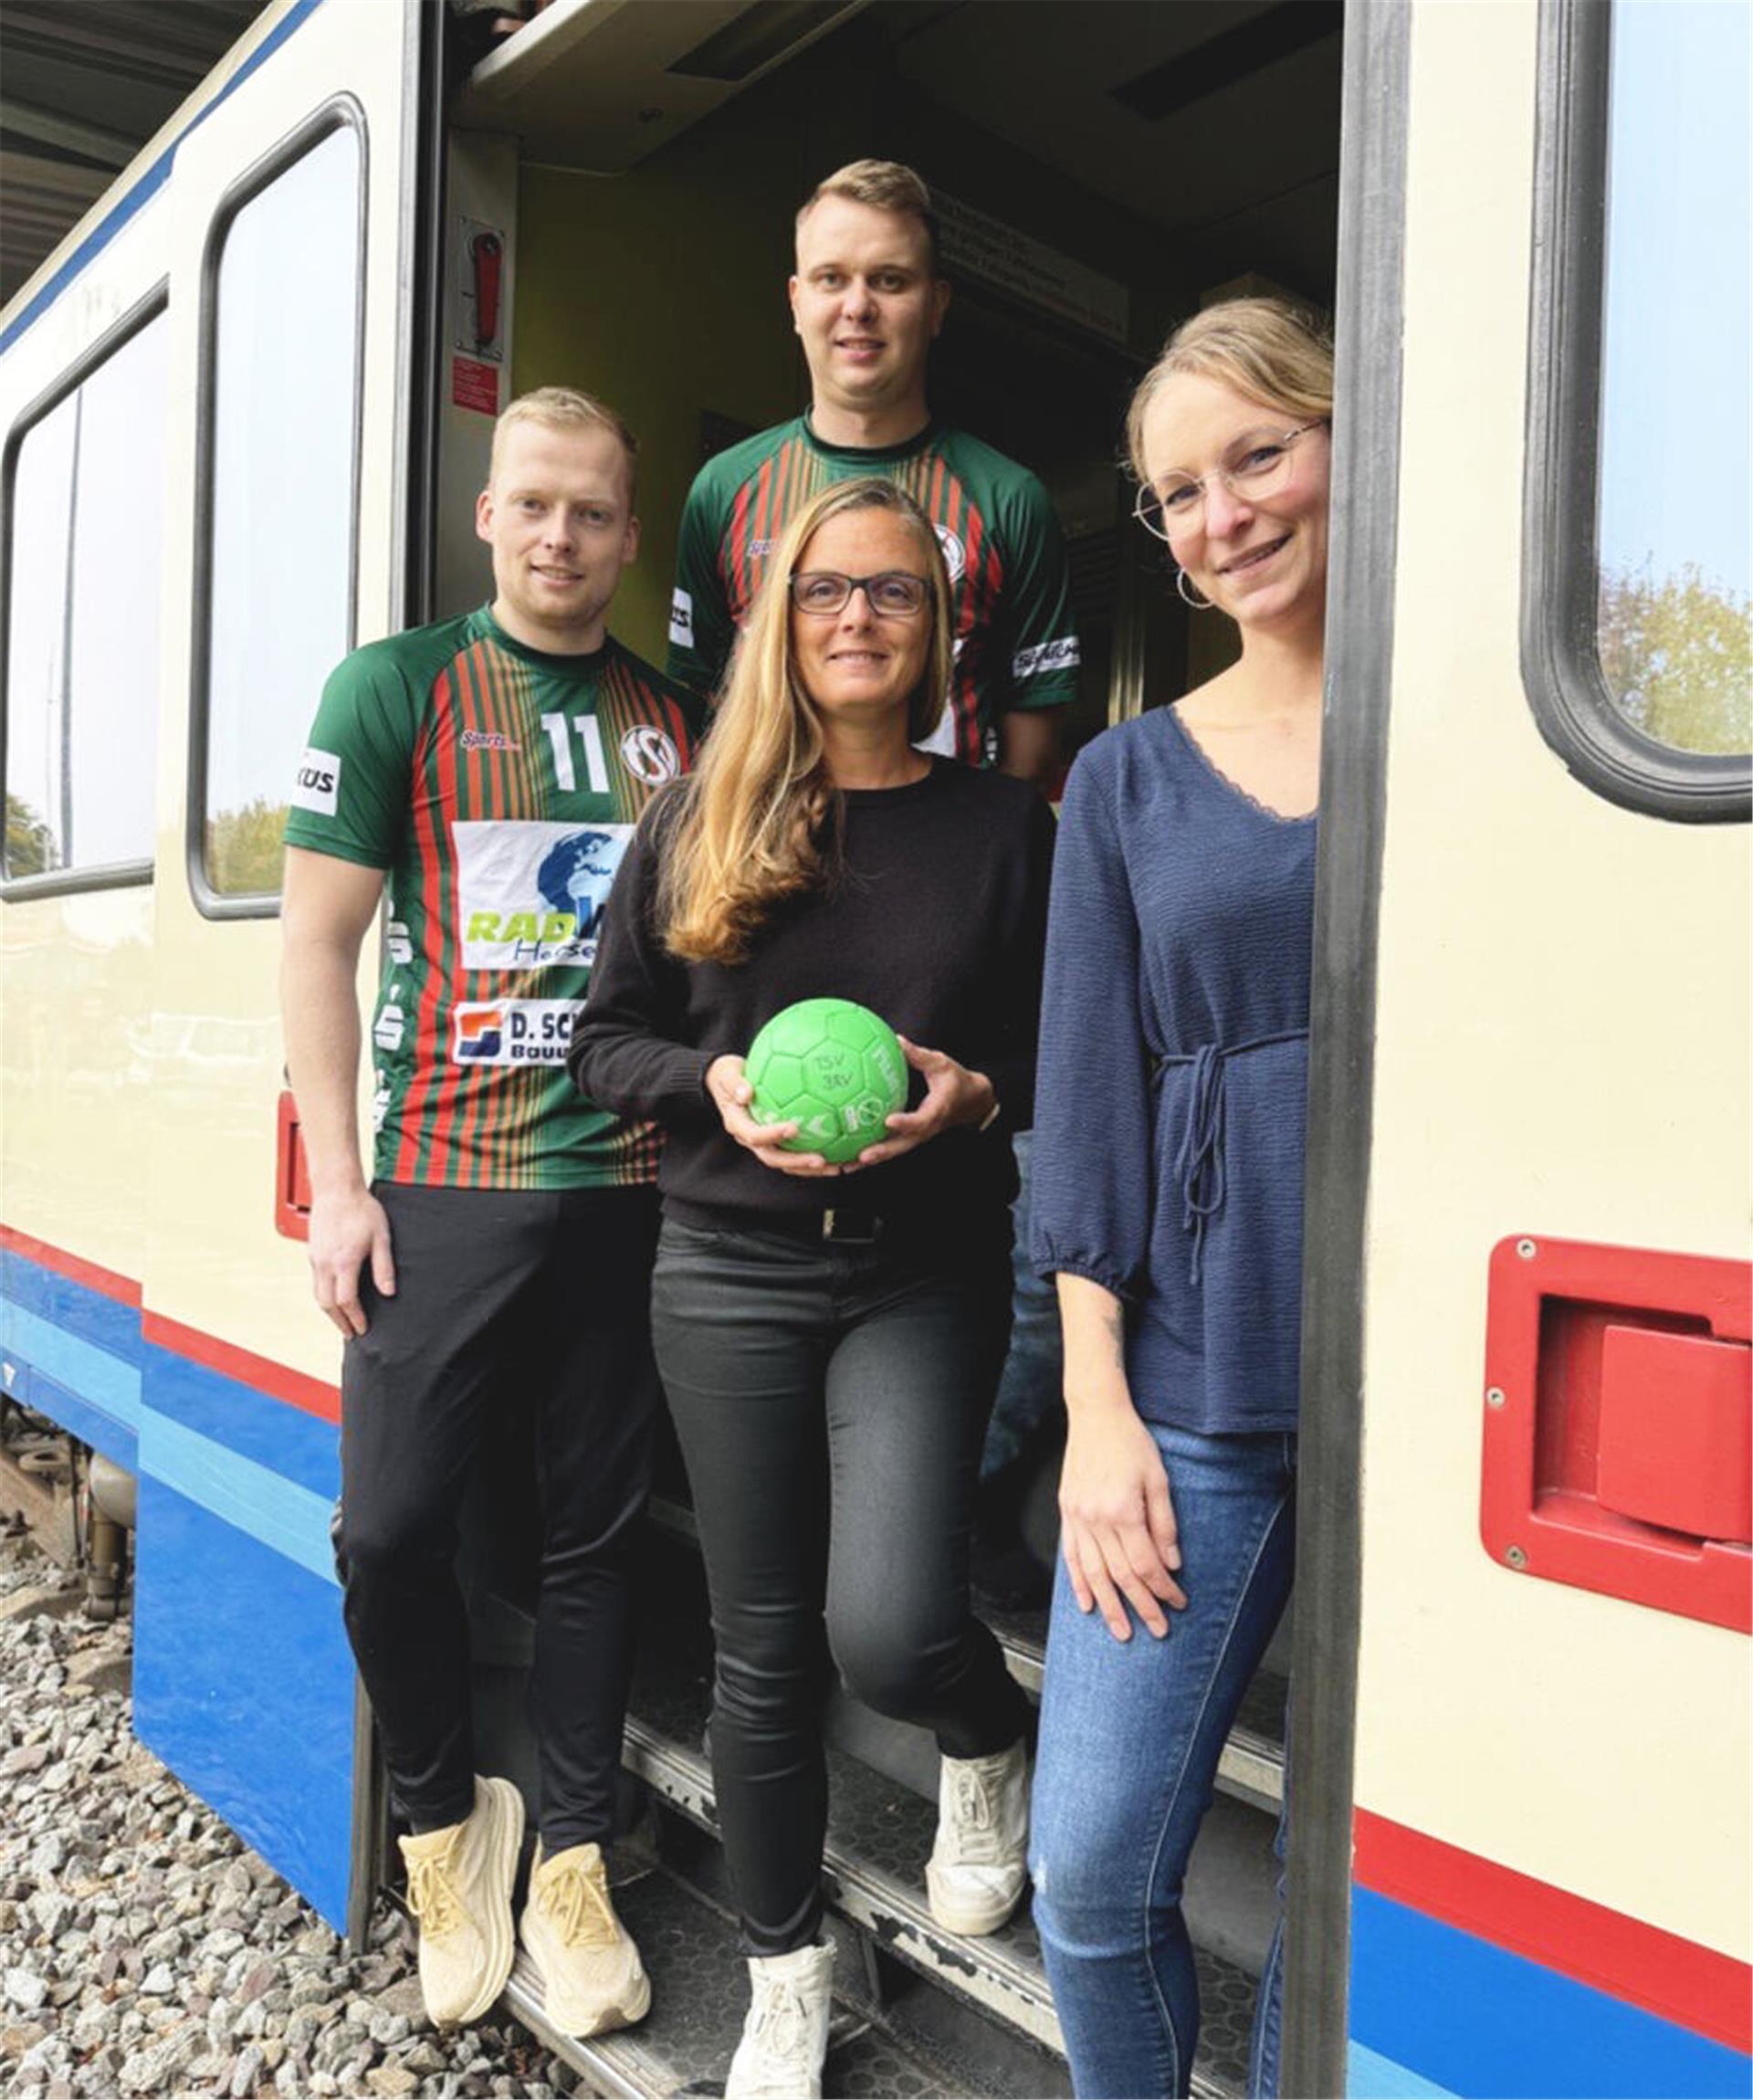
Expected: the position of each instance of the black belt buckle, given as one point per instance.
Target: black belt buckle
(847, 1228)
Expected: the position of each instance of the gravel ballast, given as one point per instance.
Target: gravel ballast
(143, 1948)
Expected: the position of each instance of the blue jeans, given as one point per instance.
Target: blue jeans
(1130, 1737)
(1035, 1369)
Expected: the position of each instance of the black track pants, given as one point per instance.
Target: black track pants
(502, 1297)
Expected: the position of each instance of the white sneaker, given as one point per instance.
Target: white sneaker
(980, 1862)
(785, 2037)
(591, 1977)
(459, 1890)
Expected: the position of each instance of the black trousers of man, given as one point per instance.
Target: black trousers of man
(546, 1290)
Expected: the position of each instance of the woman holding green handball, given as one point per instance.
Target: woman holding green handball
(831, 1331)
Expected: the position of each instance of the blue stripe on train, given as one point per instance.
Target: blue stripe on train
(1474, 2019)
(243, 1679)
(243, 1686)
(71, 1353)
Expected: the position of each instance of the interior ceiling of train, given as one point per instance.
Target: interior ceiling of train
(83, 85)
(1215, 120)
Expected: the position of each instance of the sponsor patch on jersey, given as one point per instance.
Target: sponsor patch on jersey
(488, 741)
(513, 1032)
(681, 618)
(318, 781)
(1060, 656)
(955, 555)
(650, 755)
(532, 894)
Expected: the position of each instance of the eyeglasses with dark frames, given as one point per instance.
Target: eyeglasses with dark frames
(895, 594)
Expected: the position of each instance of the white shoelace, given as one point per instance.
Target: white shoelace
(782, 2020)
(973, 1820)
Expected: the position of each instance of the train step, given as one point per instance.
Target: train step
(700, 1993)
(880, 1834)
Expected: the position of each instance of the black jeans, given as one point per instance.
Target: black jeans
(500, 1294)
(831, 1403)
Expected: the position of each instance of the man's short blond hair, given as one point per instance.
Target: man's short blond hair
(886, 186)
(565, 408)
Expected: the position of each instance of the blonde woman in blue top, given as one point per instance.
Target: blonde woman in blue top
(1168, 1198)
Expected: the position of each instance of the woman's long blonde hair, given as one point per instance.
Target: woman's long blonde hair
(758, 818)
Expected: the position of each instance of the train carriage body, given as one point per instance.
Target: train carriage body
(246, 406)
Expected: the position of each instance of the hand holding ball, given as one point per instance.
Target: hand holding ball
(833, 1068)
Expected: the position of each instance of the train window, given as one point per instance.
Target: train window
(280, 425)
(1637, 615)
(85, 502)
(1674, 623)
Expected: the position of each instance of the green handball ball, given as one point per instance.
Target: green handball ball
(834, 1070)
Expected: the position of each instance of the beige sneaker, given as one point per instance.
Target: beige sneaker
(459, 1890)
(591, 1977)
(980, 1860)
(785, 2037)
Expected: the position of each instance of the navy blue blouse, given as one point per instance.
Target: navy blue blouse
(1172, 1097)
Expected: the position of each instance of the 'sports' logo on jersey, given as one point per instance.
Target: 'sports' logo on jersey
(488, 741)
(480, 1035)
(533, 894)
(319, 782)
(681, 619)
(514, 1032)
(650, 755)
(955, 555)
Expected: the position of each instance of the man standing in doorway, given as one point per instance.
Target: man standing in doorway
(488, 771)
(867, 303)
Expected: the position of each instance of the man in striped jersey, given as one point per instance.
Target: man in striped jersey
(486, 774)
(867, 303)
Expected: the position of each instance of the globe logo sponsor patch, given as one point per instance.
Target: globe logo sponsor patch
(530, 895)
(955, 555)
(650, 755)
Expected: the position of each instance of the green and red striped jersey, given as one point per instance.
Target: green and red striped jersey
(496, 787)
(1015, 645)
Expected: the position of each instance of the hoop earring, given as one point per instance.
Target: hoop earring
(1188, 594)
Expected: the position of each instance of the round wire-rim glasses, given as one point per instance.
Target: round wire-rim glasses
(894, 593)
(1260, 469)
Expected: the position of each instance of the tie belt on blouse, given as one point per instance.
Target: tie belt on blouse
(1199, 1157)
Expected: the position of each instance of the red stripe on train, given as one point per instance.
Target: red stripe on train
(1675, 1978)
(123, 1289)
(313, 1395)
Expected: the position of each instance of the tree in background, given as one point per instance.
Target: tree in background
(1677, 656)
(244, 848)
(30, 845)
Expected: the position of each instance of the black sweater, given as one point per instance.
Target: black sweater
(938, 924)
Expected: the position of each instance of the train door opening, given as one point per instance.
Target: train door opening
(622, 196)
